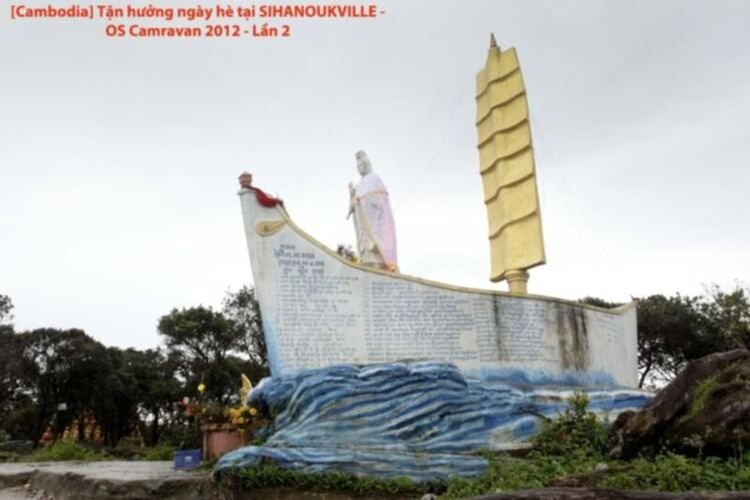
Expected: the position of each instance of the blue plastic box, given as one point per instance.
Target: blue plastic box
(187, 459)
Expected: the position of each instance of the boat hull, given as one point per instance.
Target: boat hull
(320, 310)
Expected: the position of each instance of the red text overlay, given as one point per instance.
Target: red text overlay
(217, 20)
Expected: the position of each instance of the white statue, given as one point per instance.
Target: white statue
(373, 218)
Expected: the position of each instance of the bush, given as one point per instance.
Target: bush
(576, 430)
(664, 473)
(270, 476)
(536, 470)
(678, 473)
(160, 452)
(66, 450)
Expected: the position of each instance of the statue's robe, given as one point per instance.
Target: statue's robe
(374, 224)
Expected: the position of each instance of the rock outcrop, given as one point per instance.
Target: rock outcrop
(705, 410)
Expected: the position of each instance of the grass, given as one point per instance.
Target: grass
(64, 451)
(270, 476)
(570, 450)
(700, 397)
(673, 472)
(669, 472)
(160, 452)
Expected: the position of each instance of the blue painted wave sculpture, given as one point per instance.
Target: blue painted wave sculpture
(423, 420)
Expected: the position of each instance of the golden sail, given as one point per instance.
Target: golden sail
(506, 160)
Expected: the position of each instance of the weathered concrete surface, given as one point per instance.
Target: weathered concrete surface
(20, 493)
(135, 481)
(157, 480)
(100, 480)
(705, 410)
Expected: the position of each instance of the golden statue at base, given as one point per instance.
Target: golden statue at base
(74, 431)
(97, 437)
(48, 438)
(137, 438)
(506, 159)
(89, 422)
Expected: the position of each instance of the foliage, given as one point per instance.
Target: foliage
(59, 366)
(572, 446)
(183, 432)
(270, 476)
(674, 330)
(573, 443)
(678, 473)
(160, 452)
(10, 375)
(203, 340)
(148, 387)
(506, 473)
(728, 314)
(9, 360)
(199, 412)
(242, 308)
(663, 473)
(670, 332)
(206, 412)
(576, 429)
(245, 416)
(597, 302)
(58, 375)
(65, 450)
(209, 350)
(6, 305)
(49, 377)
(698, 402)
(205, 345)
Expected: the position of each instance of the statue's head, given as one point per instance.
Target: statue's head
(364, 166)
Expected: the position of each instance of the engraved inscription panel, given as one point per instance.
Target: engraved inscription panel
(322, 312)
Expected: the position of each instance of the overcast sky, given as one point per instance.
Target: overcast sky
(119, 157)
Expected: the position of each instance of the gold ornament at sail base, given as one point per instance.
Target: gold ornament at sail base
(506, 159)
(269, 227)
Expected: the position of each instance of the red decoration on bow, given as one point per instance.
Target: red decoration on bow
(266, 200)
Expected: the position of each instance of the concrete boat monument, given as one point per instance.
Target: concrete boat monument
(379, 373)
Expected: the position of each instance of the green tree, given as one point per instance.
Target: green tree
(205, 344)
(595, 301)
(6, 306)
(11, 395)
(728, 315)
(674, 330)
(60, 366)
(671, 332)
(243, 309)
(153, 374)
